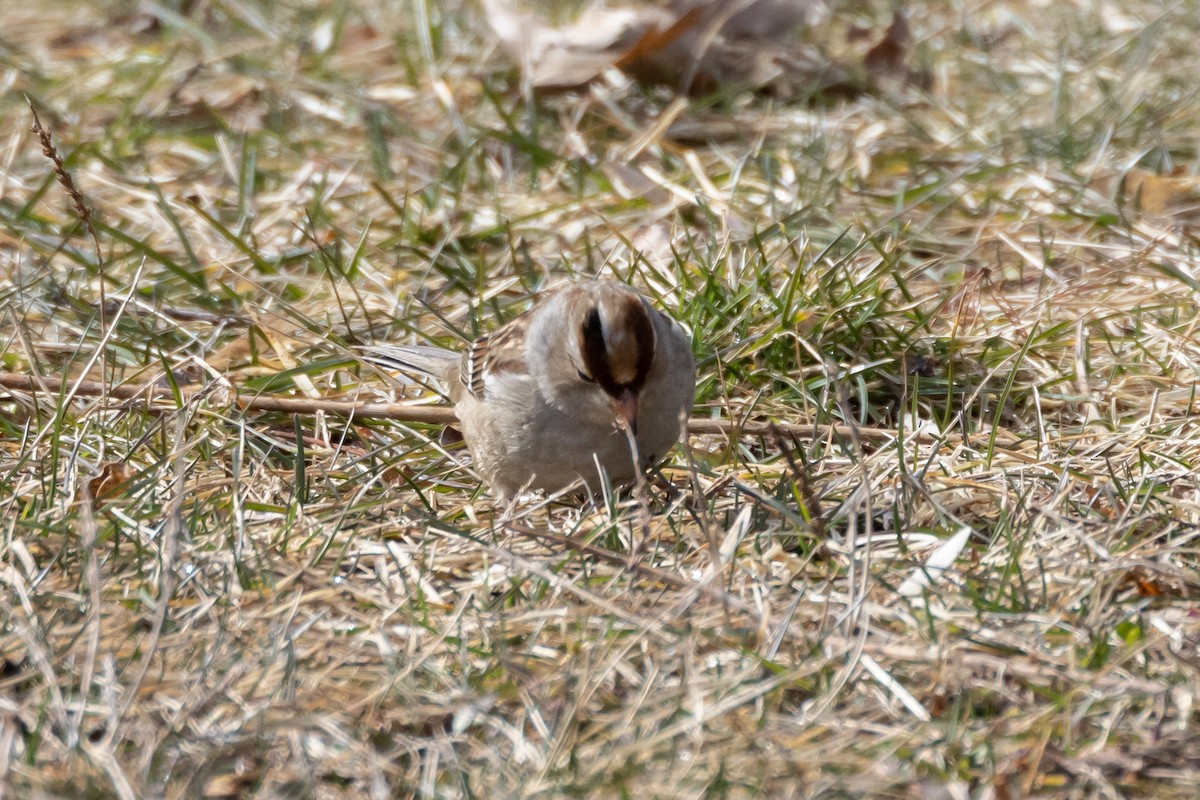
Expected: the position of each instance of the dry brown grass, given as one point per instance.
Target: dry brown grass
(201, 601)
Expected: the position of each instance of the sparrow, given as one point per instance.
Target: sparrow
(556, 394)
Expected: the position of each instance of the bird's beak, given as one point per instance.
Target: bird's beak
(626, 406)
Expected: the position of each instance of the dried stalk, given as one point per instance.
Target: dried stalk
(150, 394)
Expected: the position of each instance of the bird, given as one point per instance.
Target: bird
(554, 396)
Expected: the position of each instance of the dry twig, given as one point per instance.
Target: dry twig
(153, 393)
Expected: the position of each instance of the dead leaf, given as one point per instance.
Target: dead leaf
(734, 44)
(239, 100)
(631, 183)
(654, 244)
(575, 54)
(230, 784)
(654, 41)
(112, 481)
(694, 46)
(697, 47)
(756, 20)
(886, 62)
(1149, 582)
(888, 54)
(451, 437)
(1171, 194)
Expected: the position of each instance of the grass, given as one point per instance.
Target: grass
(201, 601)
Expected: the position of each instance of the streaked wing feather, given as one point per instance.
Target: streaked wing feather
(434, 362)
(498, 353)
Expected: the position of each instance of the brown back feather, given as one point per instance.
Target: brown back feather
(500, 352)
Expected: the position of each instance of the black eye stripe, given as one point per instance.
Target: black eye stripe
(635, 322)
(595, 357)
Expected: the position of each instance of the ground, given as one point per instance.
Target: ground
(968, 280)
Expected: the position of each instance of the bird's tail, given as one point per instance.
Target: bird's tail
(435, 362)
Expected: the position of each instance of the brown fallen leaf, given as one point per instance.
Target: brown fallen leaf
(230, 784)
(1155, 581)
(886, 61)
(560, 58)
(756, 20)
(693, 46)
(698, 47)
(112, 481)
(692, 57)
(1168, 195)
(239, 100)
(888, 54)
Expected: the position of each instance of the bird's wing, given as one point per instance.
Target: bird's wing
(494, 355)
(436, 362)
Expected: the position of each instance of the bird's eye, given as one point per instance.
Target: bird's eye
(584, 378)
